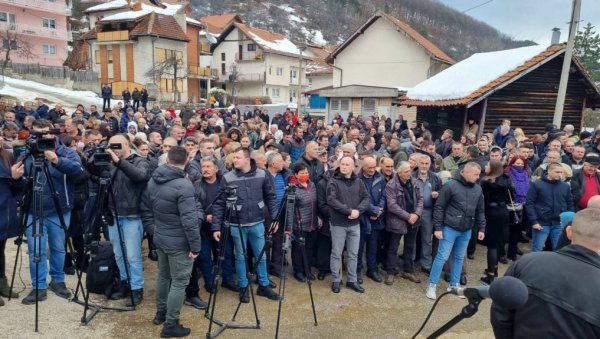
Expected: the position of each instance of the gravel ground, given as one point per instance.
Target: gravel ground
(382, 312)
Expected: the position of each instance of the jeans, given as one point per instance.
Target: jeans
(133, 232)
(174, 270)
(540, 236)
(426, 231)
(54, 236)
(255, 236)
(209, 246)
(340, 236)
(454, 242)
(371, 242)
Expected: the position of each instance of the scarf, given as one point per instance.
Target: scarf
(521, 181)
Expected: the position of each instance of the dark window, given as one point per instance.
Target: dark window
(251, 47)
(222, 56)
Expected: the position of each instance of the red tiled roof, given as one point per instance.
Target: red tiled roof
(507, 77)
(431, 48)
(215, 24)
(161, 25)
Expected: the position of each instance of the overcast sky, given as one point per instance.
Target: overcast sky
(529, 19)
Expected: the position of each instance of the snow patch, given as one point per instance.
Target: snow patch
(108, 5)
(296, 18)
(314, 36)
(467, 76)
(284, 45)
(146, 9)
(286, 8)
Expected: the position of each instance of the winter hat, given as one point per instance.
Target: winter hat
(405, 134)
(585, 135)
(132, 123)
(592, 158)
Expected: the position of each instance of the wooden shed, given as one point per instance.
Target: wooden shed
(518, 84)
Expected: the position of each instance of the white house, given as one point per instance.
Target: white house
(382, 53)
(253, 63)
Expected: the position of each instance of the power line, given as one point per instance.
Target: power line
(485, 3)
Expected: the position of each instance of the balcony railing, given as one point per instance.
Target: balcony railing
(202, 71)
(58, 6)
(113, 36)
(33, 31)
(249, 56)
(250, 77)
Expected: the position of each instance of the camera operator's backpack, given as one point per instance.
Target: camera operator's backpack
(102, 273)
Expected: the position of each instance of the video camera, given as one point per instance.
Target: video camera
(37, 144)
(97, 155)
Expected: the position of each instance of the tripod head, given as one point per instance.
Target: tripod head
(231, 191)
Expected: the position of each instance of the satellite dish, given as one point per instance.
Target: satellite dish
(211, 38)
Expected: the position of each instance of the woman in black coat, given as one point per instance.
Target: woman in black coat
(10, 192)
(496, 186)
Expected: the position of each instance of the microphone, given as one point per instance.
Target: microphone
(508, 292)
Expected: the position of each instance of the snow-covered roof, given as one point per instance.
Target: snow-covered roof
(146, 9)
(271, 42)
(193, 21)
(282, 45)
(471, 74)
(107, 6)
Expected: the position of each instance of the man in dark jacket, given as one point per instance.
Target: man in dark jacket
(254, 193)
(404, 203)
(64, 166)
(106, 96)
(546, 200)
(280, 176)
(429, 185)
(130, 173)
(585, 182)
(372, 222)
(458, 210)
(310, 159)
(126, 96)
(563, 288)
(171, 213)
(347, 198)
(136, 96)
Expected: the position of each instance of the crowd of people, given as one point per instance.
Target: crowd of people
(363, 186)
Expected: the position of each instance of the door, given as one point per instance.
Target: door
(241, 50)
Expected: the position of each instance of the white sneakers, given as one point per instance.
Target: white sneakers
(431, 291)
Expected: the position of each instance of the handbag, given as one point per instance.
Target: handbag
(515, 210)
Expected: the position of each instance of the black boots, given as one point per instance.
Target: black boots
(122, 292)
(174, 331)
(138, 296)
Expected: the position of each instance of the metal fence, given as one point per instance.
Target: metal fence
(54, 72)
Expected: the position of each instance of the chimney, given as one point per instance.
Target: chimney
(555, 36)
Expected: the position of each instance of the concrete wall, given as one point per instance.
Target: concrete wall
(320, 81)
(93, 86)
(384, 57)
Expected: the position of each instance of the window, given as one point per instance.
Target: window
(49, 49)
(49, 23)
(222, 56)
(293, 73)
(9, 43)
(166, 85)
(267, 91)
(235, 91)
(251, 47)
(279, 71)
(276, 92)
(270, 68)
(368, 105)
(10, 18)
(109, 56)
(223, 69)
(340, 104)
(162, 54)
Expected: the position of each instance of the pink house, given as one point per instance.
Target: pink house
(42, 23)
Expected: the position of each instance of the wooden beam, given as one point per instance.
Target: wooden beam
(116, 57)
(129, 62)
(482, 121)
(103, 64)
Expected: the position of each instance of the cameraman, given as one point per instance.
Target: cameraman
(64, 166)
(129, 176)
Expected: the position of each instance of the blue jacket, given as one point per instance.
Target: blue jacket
(9, 195)
(62, 174)
(124, 121)
(42, 111)
(106, 92)
(377, 193)
(546, 200)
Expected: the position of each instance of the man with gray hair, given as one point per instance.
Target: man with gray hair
(458, 212)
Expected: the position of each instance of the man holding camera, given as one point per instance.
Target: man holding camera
(129, 174)
(64, 166)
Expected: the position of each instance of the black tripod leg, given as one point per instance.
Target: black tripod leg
(282, 280)
(307, 273)
(217, 270)
(24, 216)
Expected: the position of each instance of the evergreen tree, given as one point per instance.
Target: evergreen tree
(587, 49)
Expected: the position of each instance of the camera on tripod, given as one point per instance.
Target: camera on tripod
(97, 155)
(37, 144)
(231, 191)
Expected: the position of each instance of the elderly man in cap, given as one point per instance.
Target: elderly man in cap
(585, 182)
(444, 146)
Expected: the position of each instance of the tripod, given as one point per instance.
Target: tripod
(33, 206)
(105, 194)
(230, 210)
(290, 213)
(467, 312)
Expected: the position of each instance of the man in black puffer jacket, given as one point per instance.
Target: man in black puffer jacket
(255, 192)
(170, 211)
(347, 198)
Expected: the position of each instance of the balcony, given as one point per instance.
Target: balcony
(197, 71)
(113, 36)
(204, 48)
(34, 31)
(58, 7)
(250, 77)
(249, 56)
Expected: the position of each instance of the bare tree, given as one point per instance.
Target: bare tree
(14, 44)
(171, 68)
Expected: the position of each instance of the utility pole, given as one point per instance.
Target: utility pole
(299, 94)
(564, 76)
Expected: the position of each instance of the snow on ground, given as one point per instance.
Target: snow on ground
(469, 75)
(314, 36)
(29, 90)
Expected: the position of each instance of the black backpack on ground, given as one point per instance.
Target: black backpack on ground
(102, 273)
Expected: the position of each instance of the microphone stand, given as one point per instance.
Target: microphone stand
(467, 312)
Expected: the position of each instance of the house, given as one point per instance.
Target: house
(40, 24)
(320, 76)
(382, 53)
(253, 63)
(214, 26)
(148, 44)
(518, 84)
